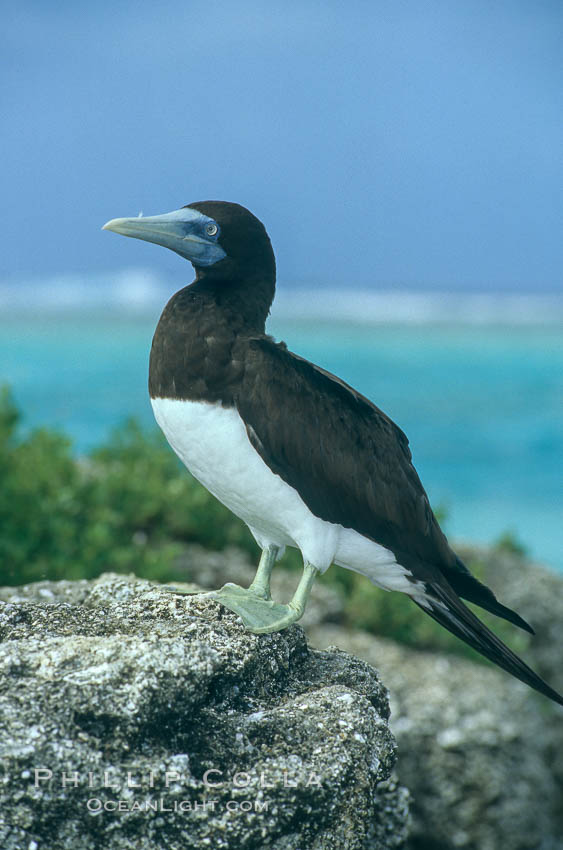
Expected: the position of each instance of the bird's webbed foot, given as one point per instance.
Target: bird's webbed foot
(259, 613)
(255, 606)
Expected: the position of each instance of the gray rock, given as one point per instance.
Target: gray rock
(479, 751)
(235, 740)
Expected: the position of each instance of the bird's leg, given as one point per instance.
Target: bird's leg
(261, 581)
(260, 584)
(301, 595)
(262, 615)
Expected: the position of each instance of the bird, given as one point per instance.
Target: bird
(303, 458)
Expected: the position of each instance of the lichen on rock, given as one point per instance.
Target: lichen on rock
(132, 717)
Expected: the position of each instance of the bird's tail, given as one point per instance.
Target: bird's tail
(472, 590)
(443, 604)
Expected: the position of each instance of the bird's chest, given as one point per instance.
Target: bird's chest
(193, 357)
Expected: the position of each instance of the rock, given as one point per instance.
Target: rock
(211, 736)
(479, 751)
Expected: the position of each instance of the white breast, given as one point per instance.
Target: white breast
(212, 442)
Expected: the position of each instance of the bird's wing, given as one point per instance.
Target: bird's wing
(351, 465)
(349, 462)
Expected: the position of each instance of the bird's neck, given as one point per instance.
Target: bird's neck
(244, 301)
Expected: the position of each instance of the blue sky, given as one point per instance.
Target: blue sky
(384, 143)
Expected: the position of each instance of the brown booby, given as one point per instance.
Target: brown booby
(299, 455)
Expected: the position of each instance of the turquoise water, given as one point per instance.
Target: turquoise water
(482, 405)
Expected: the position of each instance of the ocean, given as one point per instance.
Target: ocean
(475, 380)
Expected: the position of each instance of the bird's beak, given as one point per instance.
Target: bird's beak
(183, 231)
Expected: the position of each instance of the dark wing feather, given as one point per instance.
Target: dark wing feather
(350, 463)
(448, 610)
(467, 586)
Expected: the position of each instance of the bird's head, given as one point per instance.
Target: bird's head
(220, 239)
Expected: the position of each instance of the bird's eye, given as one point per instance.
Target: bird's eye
(211, 229)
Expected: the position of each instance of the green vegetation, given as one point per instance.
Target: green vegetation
(130, 506)
(510, 542)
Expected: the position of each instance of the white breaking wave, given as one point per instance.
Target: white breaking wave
(135, 289)
(141, 290)
(420, 308)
